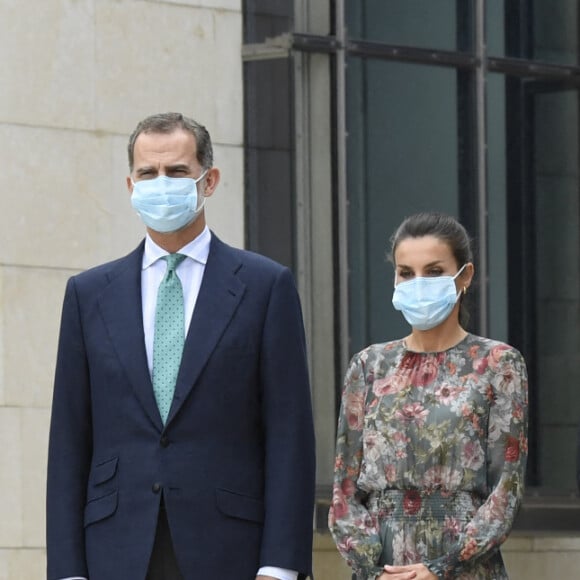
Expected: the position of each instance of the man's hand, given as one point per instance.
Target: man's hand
(411, 572)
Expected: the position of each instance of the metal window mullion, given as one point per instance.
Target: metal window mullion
(480, 99)
(341, 183)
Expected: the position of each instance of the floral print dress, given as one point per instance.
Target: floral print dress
(431, 454)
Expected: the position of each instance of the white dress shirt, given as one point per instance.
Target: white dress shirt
(190, 272)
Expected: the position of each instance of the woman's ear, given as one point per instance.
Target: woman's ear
(466, 276)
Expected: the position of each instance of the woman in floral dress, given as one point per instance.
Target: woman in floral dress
(432, 433)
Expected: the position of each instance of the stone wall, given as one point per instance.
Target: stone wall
(77, 75)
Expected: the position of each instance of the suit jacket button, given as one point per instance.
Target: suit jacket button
(164, 442)
(156, 487)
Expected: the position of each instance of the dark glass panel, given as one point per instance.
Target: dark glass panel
(403, 157)
(543, 212)
(444, 25)
(544, 30)
(267, 19)
(269, 159)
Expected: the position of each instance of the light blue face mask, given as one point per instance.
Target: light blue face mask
(166, 204)
(426, 302)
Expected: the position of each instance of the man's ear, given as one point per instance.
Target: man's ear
(211, 181)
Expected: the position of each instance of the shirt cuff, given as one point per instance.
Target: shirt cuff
(280, 573)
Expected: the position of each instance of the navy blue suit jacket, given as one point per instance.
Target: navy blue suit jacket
(235, 460)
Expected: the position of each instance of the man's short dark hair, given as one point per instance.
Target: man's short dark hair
(169, 122)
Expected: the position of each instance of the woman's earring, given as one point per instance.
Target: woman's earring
(464, 290)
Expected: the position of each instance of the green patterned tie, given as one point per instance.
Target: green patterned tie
(169, 335)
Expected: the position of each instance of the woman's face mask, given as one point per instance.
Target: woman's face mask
(426, 302)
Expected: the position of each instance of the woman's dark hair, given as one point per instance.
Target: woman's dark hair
(445, 228)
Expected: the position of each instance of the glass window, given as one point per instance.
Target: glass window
(543, 30)
(444, 25)
(557, 293)
(423, 137)
(543, 257)
(266, 19)
(402, 157)
(269, 159)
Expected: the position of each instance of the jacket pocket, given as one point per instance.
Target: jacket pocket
(240, 506)
(103, 471)
(100, 508)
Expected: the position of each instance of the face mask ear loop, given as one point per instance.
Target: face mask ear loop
(201, 176)
(458, 273)
(460, 270)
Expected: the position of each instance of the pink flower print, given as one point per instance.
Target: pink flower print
(442, 477)
(473, 350)
(472, 455)
(523, 443)
(495, 355)
(490, 394)
(354, 410)
(446, 394)
(339, 505)
(451, 526)
(480, 365)
(469, 550)
(400, 437)
(390, 472)
(512, 449)
(412, 413)
(347, 544)
(507, 381)
(425, 373)
(348, 487)
(496, 505)
(451, 367)
(390, 385)
(411, 502)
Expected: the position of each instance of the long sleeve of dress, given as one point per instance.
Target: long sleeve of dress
(353, 528)
(506, 456)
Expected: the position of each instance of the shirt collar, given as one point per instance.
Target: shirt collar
(197, 249)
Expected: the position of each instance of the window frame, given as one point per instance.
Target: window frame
(540, 512)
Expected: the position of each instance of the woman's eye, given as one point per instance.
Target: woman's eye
(405, 274)
(435, 272)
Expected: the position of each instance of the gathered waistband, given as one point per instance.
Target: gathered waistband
(421, 504)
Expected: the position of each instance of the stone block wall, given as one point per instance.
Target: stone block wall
(77, 76)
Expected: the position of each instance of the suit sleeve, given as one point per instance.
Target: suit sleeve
(289, 433)
(70, 446)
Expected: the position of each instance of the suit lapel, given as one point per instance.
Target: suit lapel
(219, 296)
(121, 307)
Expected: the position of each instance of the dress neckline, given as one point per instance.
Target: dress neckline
(413, 351)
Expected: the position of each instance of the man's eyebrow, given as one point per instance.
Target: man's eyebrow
(142, 170)
(177, 166)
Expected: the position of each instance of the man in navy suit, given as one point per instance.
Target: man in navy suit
(219, 482)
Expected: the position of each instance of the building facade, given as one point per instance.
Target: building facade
(332, 120)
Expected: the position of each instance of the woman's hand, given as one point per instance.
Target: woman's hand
(411, 572)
